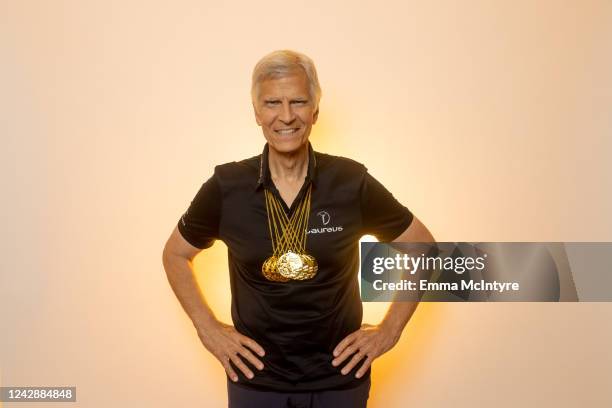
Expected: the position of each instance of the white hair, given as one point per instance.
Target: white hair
(282, 63)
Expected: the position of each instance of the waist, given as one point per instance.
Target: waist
(263, 381)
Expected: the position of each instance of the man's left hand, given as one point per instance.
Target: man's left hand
(369, 342)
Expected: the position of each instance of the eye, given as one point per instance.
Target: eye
(300, 102)
(272, 103)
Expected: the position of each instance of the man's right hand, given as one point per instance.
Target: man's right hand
(226, 344)
(222, 340)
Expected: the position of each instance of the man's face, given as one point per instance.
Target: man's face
(285, 111)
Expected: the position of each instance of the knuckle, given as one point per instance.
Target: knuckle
(252, 359)
(240, 364)
(226, 362)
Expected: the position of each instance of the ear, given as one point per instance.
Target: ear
(315, 116)
(256, 115)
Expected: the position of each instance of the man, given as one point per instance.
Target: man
(291, 219)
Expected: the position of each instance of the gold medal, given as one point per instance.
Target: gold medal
(310, 267)
(290, 265)
(288, 235)
(270, 271)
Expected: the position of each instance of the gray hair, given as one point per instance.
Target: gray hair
(282, 63)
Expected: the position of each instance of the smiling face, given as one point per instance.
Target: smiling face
(286, 111)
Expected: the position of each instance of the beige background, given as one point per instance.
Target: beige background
(490, 120)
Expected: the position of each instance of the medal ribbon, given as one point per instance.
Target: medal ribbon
(288, 236)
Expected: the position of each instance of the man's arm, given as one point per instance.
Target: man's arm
(399, 313)
(222, 340)
(370, 342)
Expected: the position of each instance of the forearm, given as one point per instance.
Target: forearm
(399, 313)
(397, 316)
(179, 272)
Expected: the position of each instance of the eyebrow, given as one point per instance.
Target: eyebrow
(299, 99)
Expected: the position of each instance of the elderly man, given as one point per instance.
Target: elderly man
(291, 218)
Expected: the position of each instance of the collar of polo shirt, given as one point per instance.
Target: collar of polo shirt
(265, 178)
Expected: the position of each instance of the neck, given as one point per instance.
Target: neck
(291, 167)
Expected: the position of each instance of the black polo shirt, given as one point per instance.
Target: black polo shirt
(298, 323)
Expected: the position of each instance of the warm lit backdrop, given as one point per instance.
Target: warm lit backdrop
(490, 120)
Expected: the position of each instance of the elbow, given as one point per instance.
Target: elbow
(171, 255)
(167, 256)
(430, 236)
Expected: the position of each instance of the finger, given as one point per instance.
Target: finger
(350, 350)
(364, 367)
(359, 343)
(356, 358)
(344, 343)
(252, 344)
(238, 363)
(228, 369)
(252, 359)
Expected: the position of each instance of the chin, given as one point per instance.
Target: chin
(287, 146)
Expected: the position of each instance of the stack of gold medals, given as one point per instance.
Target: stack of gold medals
(289, 259)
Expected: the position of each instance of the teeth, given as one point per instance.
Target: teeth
(286, 131)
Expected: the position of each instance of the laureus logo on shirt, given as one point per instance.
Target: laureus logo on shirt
(325, 219)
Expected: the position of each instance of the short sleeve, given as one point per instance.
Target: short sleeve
(199, 225)
(382, 215)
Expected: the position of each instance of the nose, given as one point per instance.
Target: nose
(287, 115)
